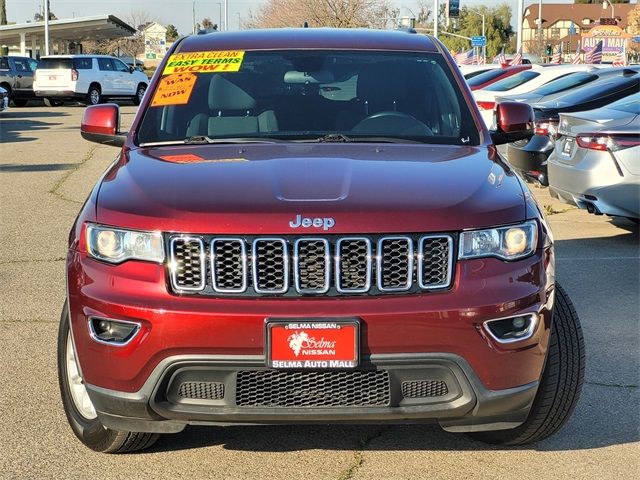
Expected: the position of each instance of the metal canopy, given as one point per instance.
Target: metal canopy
(102, 27)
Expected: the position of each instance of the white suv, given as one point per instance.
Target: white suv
(90, 78)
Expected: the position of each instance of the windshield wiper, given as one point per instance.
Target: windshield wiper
(204, 140)
(341, 138)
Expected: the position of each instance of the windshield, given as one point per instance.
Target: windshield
(298, 95)
(512, 82)
(630, 104)
(55, 63)
(565, 83)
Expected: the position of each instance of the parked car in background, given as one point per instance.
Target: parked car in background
(530, 157)
(4, 99)
(470, 71)
(88, 78)
(523, 81)
(562, 86)
(487, 78)
(595, 164)
(16, 77)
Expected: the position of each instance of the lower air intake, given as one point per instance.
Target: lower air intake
(424, 388)
(202, 390)
(268, 388)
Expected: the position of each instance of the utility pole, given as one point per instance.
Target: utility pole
(226, 15)
(519, 17)
(436, 11)
(46, 27)
(193, 17)
(484, 47)
(540, 41)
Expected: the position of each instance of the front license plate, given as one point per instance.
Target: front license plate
(312, 344)
(568, 145)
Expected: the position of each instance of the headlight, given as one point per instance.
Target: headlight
(115, 245)
(508, 243)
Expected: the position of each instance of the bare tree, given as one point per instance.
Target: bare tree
(321, 13)
(3, 12)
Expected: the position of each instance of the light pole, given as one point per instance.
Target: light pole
(519, 35)
(436, 9)
(540, 25)
(606, 4)
(219, 15)
(46, 27)
(484, 47)
(226, 15)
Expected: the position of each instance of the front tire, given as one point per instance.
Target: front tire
(137, 98)
(20, 102)
(561, 381)
(77, 405)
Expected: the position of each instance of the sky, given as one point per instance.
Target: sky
(179, 12)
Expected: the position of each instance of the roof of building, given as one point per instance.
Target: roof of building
(553, 12)
(308, 38)
(100, 27)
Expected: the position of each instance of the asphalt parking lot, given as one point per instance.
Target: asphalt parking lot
(46, 171)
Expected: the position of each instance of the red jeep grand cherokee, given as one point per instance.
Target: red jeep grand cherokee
(313, 226)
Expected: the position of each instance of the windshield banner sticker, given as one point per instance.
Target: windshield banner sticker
(174, 89)
(221, 61)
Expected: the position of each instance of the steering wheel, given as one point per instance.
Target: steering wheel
(392, 122)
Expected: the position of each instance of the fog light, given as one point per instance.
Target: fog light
(512, 329)
(112, 332)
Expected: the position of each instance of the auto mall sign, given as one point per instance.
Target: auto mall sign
(613, 39)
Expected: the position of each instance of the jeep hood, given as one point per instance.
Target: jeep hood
(260, 188)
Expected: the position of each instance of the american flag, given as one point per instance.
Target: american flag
(500, 58)
(557, 56)
(517, 60)
(595, 54)
(577, 57)
(481, 60)
(620, 60)
(465, 58)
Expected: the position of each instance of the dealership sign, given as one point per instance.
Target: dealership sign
(613, 40)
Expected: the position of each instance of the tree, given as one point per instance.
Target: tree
(321, 13)
(172, 33)
(207, 24)
(130, 46)
(498, 29)
(39, 16)
(3, 12)
(633, 27)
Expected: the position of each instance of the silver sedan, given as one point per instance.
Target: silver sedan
(595, 164)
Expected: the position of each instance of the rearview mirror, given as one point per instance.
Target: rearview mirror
(101, 124)
(513, 121)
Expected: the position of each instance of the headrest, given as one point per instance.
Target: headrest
(225, 95)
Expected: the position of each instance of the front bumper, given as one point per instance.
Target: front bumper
(411, 336)
(466, 405)
(530, 157)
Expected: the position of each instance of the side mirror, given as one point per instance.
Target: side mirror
(131, 68)
(101, 124)
(514, 121)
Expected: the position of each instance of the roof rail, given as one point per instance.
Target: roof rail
(407, 29)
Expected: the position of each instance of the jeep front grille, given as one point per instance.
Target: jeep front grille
(271, 388)
(295, 266)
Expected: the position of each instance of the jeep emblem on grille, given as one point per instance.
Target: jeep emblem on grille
(305, 222)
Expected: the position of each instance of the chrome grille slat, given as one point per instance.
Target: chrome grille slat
(435, 261)
(295, 266)
(270, 262)
(394, 262)
(187, 267)
(352, 254)
(311, 265)
(228, 265)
